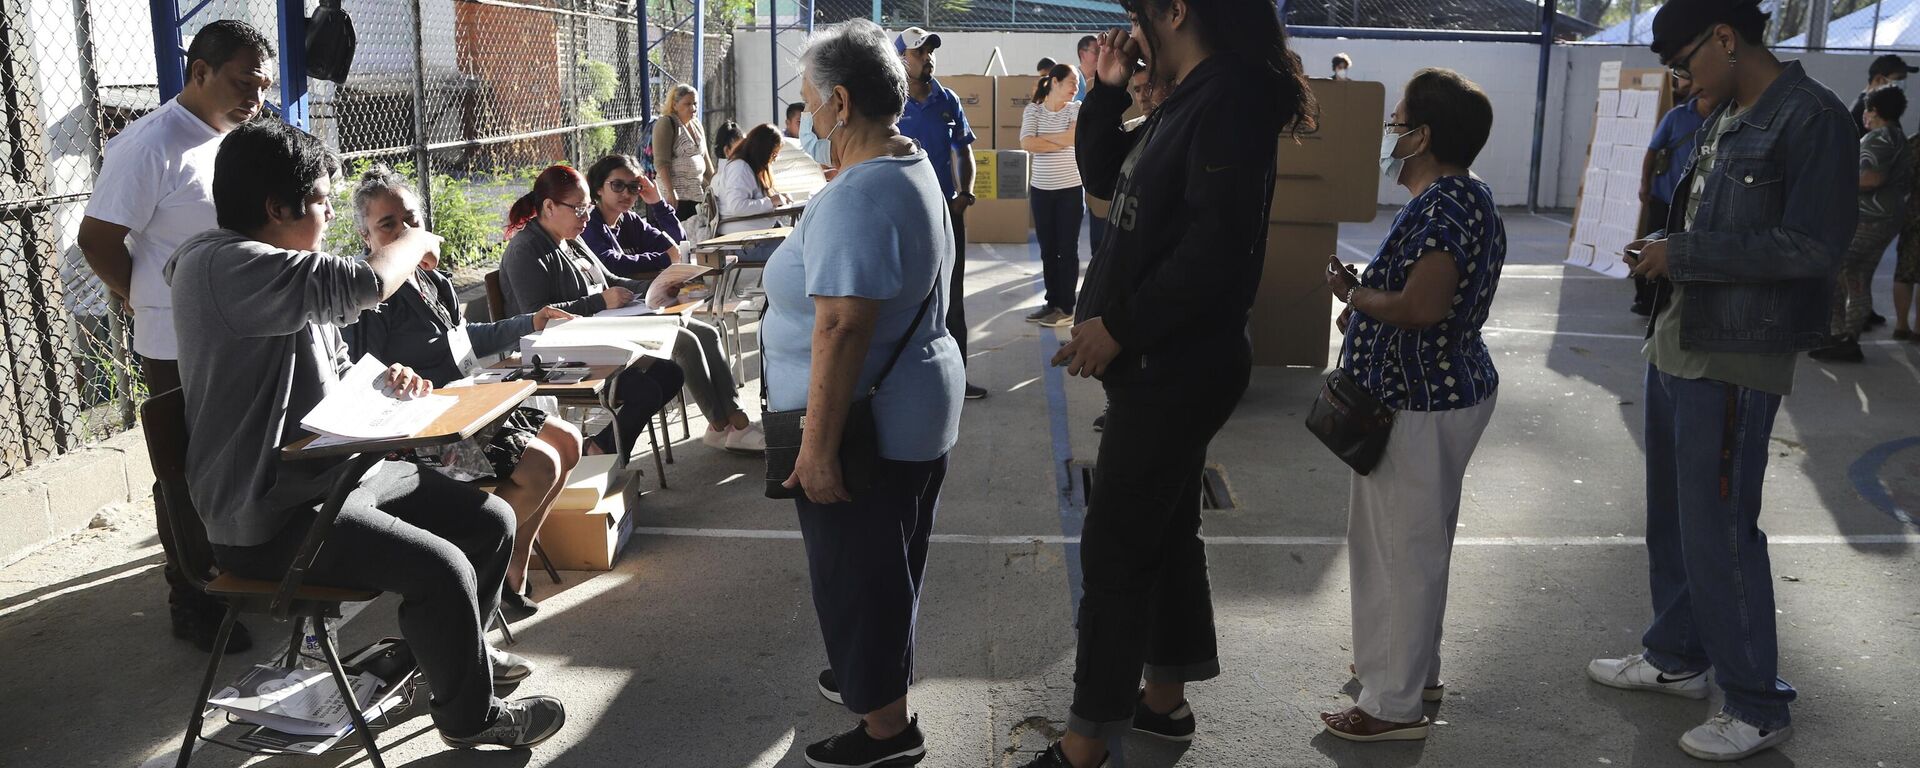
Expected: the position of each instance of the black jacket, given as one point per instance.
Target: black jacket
(1175, 278)
(404, 330)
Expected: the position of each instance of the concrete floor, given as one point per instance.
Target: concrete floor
(701, 647)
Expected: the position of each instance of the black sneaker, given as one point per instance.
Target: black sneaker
(1874, 320)
(521, 723)
(856, 749)
(1055, 758)
(200, 627)
(1039, 314)
(830, 688)
(1100, 422)
(976, 392)
(1845, 350)
(1172, 726)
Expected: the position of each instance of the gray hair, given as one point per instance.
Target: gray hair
(376, 181)
(856, 55)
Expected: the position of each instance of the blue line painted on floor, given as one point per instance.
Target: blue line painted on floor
(1865, 476)
(1072, 516)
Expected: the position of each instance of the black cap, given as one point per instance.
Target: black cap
(1889, 65)
(1680, 21)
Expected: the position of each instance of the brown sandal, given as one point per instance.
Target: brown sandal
(1354, 724)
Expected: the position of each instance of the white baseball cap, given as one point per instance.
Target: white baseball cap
(915, 37)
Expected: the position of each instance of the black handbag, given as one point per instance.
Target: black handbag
(1351, 422)
(859, 441)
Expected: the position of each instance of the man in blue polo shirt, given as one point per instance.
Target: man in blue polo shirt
(934, 117)
(1666, 161)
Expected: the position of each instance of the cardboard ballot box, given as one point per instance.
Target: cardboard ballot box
(1322, 177)
(976, 94)
(1000, 174)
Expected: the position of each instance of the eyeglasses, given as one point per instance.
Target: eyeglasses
(1682, 67)
(624, 187)
(580, 210)
(1389, 126)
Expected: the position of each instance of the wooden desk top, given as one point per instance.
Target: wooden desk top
(477, 407)
(743, 239)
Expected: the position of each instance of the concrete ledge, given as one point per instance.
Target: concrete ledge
(52, 500)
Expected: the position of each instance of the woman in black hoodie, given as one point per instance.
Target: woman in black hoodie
(1190, 191)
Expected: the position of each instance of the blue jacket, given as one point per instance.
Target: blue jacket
(1772, 226)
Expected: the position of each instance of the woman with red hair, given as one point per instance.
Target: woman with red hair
(546, 265)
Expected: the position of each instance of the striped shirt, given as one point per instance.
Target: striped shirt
(1057, 169)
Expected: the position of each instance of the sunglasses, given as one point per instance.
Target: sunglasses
(624, 187)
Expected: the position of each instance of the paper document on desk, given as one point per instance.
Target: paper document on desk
(360, 407)
(636, 309)
(665, 288)
(602, 340)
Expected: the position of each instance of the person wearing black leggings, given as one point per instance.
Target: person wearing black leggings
(1046, 131)
(1162, 321)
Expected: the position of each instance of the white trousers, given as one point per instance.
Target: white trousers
(1399, 545)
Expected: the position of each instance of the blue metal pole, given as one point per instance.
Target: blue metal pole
(700, 53)
(810, 11)
(773, 37)
(876, 12)
(1548, 11)
(646, 67)
(169, 60)
(293, 63)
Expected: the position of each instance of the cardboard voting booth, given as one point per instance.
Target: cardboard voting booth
(1609, 215)
(1323, 177)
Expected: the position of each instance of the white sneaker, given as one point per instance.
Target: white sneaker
(1725, 737)
(1635, 673)
(716, 438)
(753, 439)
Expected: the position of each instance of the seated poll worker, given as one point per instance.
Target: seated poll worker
(631, 246)
(420, 327)
(257, 307)
(545, 264)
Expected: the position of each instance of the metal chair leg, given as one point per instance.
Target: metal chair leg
(506, 633)
(658, 463)
(346, 692)
(666, 431)
(206, 687)
(295, 645)
(686, 427)
(546, 562)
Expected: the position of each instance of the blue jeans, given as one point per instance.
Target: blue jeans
(1712, 583)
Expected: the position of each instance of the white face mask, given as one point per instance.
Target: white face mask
(1390, 165)
(826, 142)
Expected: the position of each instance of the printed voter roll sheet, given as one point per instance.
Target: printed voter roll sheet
(1595, 189)
(1608, 105)
(1627, 158)
(1580, 255)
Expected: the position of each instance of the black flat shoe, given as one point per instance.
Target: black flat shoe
(517, 606)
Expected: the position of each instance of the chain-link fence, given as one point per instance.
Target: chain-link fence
(1833, 25)
(499, 89)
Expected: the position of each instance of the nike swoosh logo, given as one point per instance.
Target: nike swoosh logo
(1217, 168)
(1664, 680)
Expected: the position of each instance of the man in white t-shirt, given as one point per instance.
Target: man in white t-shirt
(155, 191)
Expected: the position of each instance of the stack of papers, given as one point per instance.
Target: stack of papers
(302, 702)
(360, 408)
(602, 340)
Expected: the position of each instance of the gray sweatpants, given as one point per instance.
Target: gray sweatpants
(709, 378)
(1399, 547)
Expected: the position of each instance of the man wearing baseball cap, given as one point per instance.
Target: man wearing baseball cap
(1745, 266)
(935, 118)
(1888, 71)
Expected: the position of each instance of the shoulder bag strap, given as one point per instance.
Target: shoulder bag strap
(907, 337)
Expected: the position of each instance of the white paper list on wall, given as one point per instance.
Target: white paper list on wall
(1607, 218)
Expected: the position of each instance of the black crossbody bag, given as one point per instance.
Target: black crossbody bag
(1351, 422)
(859, 442)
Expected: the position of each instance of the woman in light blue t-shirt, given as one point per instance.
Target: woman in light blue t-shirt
(843, 293)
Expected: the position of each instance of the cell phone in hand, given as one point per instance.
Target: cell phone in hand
(1633, 254)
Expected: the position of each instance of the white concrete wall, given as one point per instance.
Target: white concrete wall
(1507, 71)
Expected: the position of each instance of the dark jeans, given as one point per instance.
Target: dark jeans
(163, 376)
(1143, 565)
(866, 558)
(1712, 583)
(442, 545)
(1056, 225)
(957, 295)
(638, 396)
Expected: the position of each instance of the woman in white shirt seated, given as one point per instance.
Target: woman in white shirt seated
(745, 187)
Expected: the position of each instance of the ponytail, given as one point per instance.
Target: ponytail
(546, 187)
(1044, 88)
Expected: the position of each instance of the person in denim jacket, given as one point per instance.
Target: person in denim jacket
(1758, 227)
